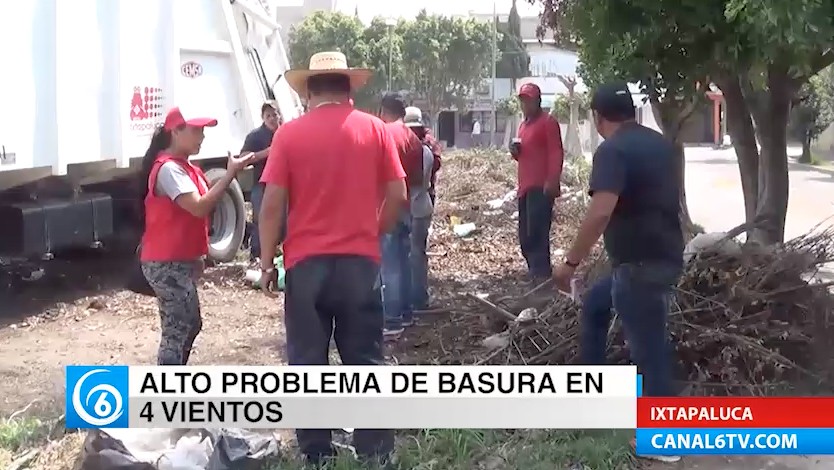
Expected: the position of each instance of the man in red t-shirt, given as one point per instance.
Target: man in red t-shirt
(396, 245)
(539, 153)
(340, 172)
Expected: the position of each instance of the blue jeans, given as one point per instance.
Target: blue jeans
(256, 196)
(419, 263)
(640, 294)
(535, 213)
(396, 275)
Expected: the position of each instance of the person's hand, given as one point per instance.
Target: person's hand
(515, 149)
(552, 189)
(238, 163)
(269, 281)
(562, 275)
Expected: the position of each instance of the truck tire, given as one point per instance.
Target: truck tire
(227, 223)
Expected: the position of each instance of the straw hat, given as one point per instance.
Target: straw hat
(327, 63)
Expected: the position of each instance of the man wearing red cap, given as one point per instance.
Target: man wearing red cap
(538, 151)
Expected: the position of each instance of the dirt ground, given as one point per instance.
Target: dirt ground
(78, 314)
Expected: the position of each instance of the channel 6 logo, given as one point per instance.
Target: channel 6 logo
(96, 397)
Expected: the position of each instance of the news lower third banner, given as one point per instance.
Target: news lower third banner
(735, 426)
(328, 397)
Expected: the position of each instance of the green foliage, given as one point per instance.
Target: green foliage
(445, 59)
(813, 110)
(510, 106)
(437, 58)
(514, 62)
(561, 107)
(328, 31)
(761, 53)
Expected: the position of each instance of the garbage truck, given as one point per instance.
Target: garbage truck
(84, 85)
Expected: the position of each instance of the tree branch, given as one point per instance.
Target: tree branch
(817, 63)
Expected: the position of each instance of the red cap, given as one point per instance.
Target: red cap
(530, 90)
(175, 119)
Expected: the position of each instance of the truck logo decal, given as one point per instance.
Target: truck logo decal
(191, 69)
(145, 105)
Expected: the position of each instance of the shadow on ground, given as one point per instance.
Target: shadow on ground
(68, 278)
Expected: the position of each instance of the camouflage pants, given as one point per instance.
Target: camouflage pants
(179, 308)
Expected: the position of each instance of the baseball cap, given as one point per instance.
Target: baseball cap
(613, 101)
(530, 90)
(175, 119)
(413, 117)
(394, 103)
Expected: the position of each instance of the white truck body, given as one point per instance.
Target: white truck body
(85, 82)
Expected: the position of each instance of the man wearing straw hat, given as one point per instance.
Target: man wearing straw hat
(339, 170)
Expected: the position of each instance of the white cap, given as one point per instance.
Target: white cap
(413, 117)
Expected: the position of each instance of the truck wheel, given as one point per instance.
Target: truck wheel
(228, 220)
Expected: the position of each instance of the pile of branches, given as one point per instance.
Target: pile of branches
(743, 321)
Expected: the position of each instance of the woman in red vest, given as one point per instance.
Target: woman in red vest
(178, 201)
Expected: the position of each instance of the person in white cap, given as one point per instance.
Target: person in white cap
(332, 165)
(422, 209)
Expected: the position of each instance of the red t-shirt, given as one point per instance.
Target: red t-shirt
(410, 150)
(334, 162)
(541, 154)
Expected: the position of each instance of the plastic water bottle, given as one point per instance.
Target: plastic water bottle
(576, 289)
(253, 276)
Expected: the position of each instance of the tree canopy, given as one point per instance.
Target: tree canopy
(758, 53)
(436, 58)
(514, 62)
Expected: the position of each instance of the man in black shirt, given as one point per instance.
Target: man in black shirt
(635, 202)
(258, 142)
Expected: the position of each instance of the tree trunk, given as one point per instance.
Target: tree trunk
(743, 136)
(806, 148)
(593, 131)
(686, 220)
(670, 116)
(773, 171)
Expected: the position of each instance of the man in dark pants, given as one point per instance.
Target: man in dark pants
(539, 153)
(332, 250)
(396, 245)
(258, 142)
(635, 202)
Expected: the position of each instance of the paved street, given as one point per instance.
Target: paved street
(713, 190)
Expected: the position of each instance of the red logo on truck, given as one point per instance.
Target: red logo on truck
(145, 105)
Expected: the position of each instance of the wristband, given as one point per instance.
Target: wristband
(268, 270)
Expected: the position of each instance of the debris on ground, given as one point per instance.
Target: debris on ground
(743, 320)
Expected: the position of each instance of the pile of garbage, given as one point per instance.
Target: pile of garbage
(745, 319)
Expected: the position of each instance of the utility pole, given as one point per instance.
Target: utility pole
(391, 22)
(494, 121)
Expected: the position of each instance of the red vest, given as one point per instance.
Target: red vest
(171, 232)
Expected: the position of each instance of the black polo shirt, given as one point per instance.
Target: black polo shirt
(638, 164)
(257, 140)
